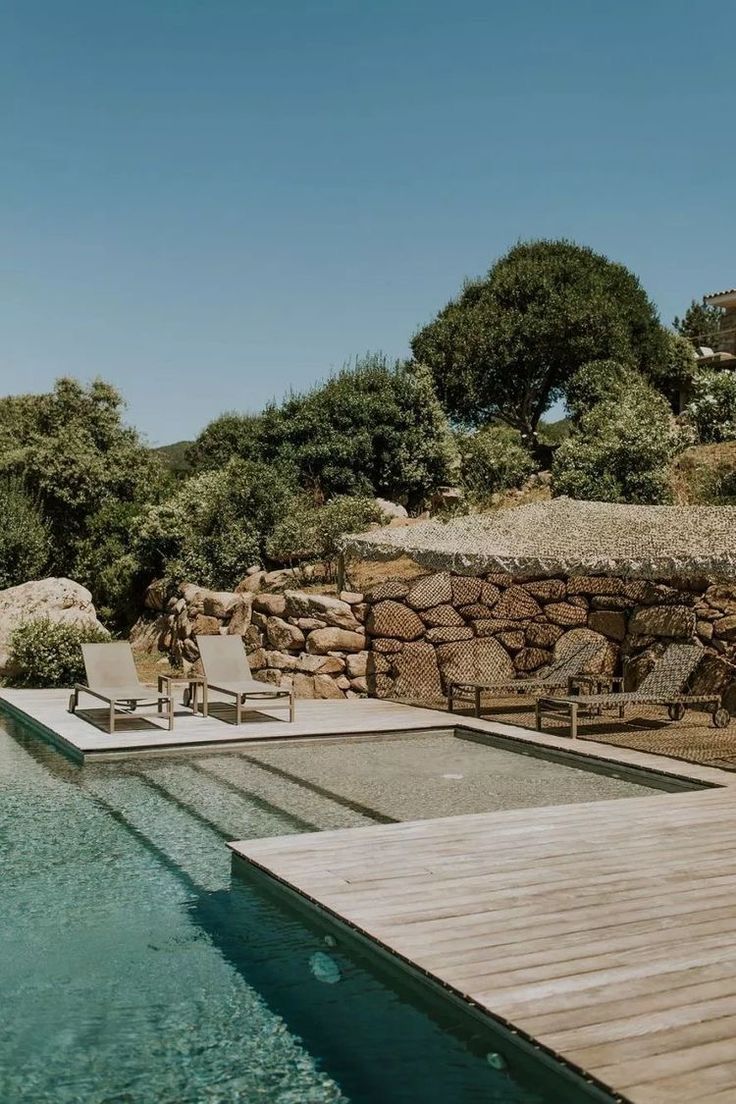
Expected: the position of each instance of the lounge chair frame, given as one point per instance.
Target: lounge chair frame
(562, 675)
(243, 688)
(664, 685)
(119, 675)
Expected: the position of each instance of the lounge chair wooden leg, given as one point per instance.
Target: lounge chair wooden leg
(477, 701)
(111, 719)
(205, 700)
(291, 707)
(538, 717)
(450, 699)
(171, 712)
(574, 721)
(237, 709)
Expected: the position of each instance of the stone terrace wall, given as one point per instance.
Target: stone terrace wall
(444, 627)
(409, 639)
(313, 642)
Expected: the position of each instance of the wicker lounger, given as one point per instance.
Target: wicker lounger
(560, 676)
(666, 685)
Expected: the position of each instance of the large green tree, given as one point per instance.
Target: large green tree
(75, 456)
(373, 428)
(506, 347)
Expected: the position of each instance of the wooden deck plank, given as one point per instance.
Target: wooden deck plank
(607, 931)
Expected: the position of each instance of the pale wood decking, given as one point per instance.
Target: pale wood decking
(606, 931)
(83, 738)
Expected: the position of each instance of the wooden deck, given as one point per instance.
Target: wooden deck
(83, 735)
(606, 931)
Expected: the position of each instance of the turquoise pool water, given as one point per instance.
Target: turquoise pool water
(136, 969)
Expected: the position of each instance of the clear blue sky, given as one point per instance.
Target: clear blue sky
(209, 202)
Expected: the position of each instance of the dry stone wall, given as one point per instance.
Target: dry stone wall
(315, 643)
(445, 627)
(409, 639)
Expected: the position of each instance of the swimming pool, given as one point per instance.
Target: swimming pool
(134, 968)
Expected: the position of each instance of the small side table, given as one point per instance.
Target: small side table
(167, 683)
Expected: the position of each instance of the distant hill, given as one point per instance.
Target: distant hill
(174, 457)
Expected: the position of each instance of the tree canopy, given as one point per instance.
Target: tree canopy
(507, 346)
(373, 428)
(74, 454)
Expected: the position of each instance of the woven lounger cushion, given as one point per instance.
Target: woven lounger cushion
(634, 696)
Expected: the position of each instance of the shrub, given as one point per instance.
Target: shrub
(73, 451)
(311, 532)
(492, 459)
(24, 537)
(107, 565)
(712, 409)
(47, 653)
(620, 451)
(598, 381)
(215, 525)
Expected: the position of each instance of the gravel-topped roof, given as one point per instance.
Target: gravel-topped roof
(568, 537)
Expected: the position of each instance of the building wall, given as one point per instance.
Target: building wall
(728, 331)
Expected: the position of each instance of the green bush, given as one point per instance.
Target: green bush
(712, 409)
(492, 459)
(72, 450)
(45, 653)
(310, 532)
(620, 451)
(24, 537)
(598, 381)
(215, 525)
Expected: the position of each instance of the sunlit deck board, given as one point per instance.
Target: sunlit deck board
(607, 931)
(144, 731)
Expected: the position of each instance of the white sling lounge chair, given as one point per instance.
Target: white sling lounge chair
(227, 671)
(113, 679)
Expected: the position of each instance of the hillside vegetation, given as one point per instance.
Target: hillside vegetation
(551, 322)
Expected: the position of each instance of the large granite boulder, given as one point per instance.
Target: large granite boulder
(432, 590)
(332, 611)
(60, 600)
(416, 672)
(322, 641)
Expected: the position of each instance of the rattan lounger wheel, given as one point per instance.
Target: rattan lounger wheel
(721, 718)
(676, 711)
